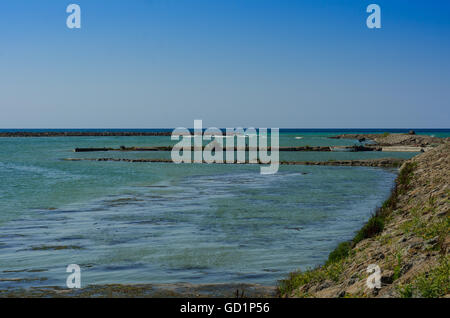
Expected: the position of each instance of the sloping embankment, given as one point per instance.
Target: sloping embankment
(408, 238)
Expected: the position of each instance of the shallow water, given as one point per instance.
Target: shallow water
(163, 223)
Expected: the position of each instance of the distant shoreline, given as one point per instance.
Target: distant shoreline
(143, 132)
(82, 134)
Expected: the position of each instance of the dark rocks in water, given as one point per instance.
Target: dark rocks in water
(179, 290)
(123, 148)
(304, 148)
(382, 162)
(90, 149)
(411, 132)
(362, 139)
(363, 148)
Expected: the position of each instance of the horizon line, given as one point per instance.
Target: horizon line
(166, 128)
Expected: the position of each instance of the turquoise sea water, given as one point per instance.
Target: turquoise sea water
(165, 223)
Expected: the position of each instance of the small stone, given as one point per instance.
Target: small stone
(433, 241)
(387, 277)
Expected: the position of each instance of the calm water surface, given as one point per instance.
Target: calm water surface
(164, 223)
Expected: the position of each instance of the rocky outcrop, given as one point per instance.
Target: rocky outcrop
(383, 162)
(408, 238)
(123, 148)
(356, 148)
(388, 139)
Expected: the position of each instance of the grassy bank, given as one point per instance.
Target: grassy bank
(410, 218)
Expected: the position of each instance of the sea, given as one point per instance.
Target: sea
(155, 223)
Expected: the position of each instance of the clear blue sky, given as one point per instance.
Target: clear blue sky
(262, 63)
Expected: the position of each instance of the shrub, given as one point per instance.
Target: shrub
(436, 282)
(405, 175)
(340, 252)
(405, 291)
(372, 228)
(297, 279)
(432, 284)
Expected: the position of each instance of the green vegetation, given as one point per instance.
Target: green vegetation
(397, 267)
(405, 291)
(437, 228)
(405, 176)
(331, 272)
(374, 226)
(341, 252)
(334, 265)
(385, 134)
(431, 284)
(397, 164)
(436, 282)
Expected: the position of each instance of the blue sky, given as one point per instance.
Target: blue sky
(261, 63)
